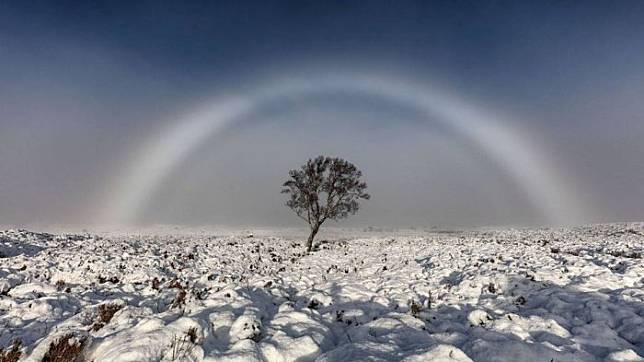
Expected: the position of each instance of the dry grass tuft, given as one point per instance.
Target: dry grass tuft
(67, 348)
(192, 334)
(181, 346)
(415, 308)
(175, 284)
(180, 299)
(11, 353)
(60, 285)
(105, 314)
(156, 283)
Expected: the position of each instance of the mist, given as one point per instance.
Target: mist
(84, 89)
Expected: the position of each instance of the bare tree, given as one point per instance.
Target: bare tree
(324, 188)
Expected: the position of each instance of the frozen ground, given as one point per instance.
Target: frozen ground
(495, 295)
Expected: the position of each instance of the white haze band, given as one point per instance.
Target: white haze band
(512, 150)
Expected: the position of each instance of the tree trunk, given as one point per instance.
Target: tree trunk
(309, 242)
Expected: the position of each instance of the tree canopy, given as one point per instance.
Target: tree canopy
(324, 188)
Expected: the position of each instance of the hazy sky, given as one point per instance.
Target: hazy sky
(85, 86)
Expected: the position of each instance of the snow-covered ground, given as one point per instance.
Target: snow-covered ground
(489, 295)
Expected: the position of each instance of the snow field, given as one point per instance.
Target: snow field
(490, 295)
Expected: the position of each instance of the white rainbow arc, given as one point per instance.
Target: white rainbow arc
(512, 150)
